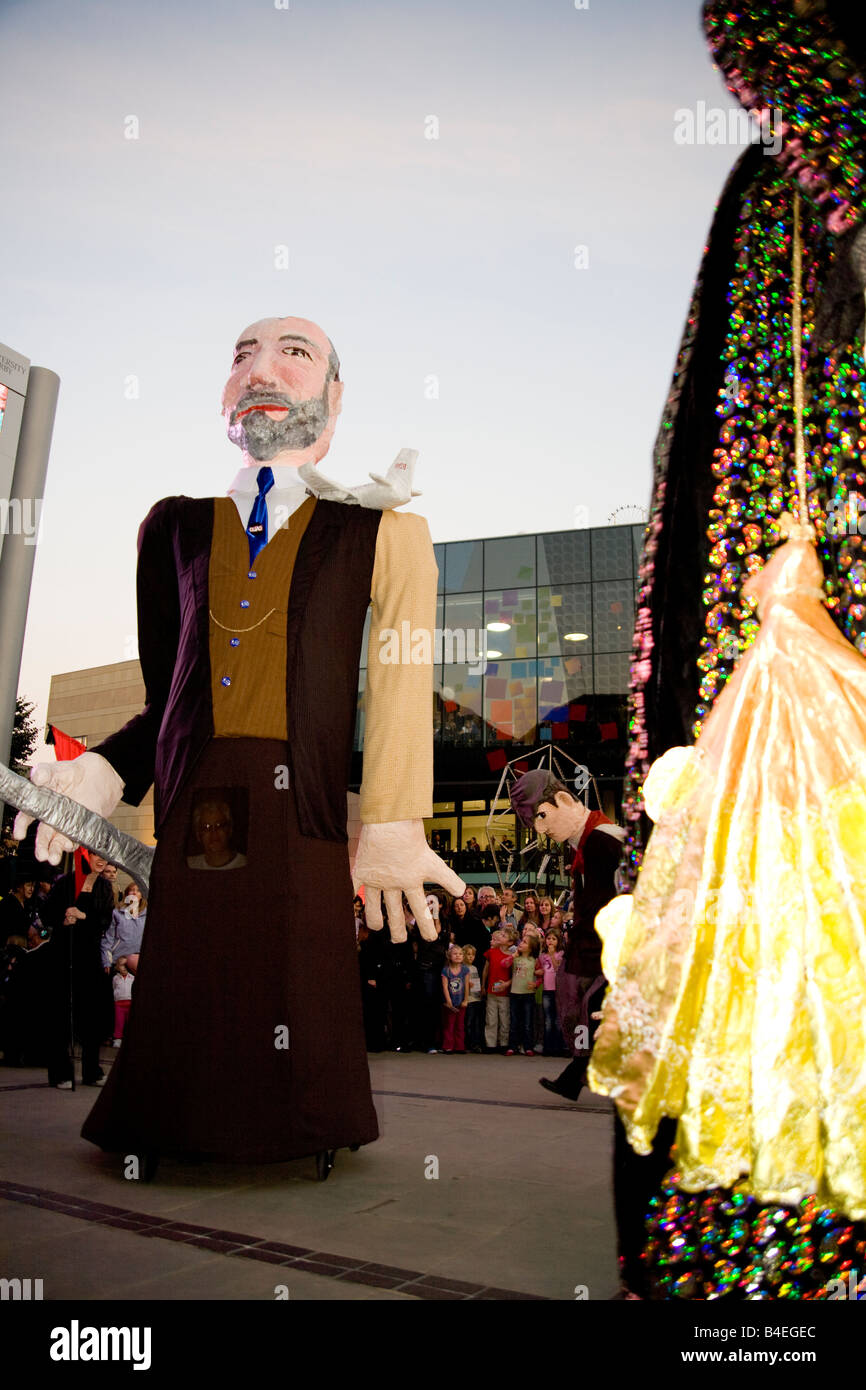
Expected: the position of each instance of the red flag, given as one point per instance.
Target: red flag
(65, 749)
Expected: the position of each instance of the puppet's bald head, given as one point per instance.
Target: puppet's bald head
(283, 396)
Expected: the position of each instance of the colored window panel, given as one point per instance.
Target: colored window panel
(565, 620)
(509, 562)
(613, 616)
(509, 624)
(460, 695)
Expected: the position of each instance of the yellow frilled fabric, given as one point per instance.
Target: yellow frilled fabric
(739, 999)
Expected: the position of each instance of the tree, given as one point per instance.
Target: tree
(24, 736)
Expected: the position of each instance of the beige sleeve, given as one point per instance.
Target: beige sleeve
(398, 741)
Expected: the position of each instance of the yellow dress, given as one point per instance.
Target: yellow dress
(739, 998)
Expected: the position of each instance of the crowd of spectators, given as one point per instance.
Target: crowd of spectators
(70, 944)
(69, 949)
(487, 983)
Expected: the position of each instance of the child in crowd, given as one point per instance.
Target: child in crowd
(474, 1011)
(455, 987)
(122, 985)
(525, 977)
(496, 984)
(551, 962)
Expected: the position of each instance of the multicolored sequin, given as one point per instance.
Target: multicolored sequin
(724, 1244)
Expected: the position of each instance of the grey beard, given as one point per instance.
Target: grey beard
(262, 437)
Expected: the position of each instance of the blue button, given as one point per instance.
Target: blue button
(245, 603)
(235, 642)
(252, 575)
(226, 680)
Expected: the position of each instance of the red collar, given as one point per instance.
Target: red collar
(595, 818)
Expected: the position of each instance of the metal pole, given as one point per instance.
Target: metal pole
(19, 544)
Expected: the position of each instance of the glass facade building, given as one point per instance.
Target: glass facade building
(534, 636)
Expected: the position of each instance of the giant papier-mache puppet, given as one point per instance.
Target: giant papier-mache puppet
(724, 458)
(251, 610)
(737, 1004)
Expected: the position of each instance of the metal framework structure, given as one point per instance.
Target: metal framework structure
(541, 860)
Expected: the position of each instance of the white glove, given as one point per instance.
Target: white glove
(89, 779)
(383, 494)
(394, 858)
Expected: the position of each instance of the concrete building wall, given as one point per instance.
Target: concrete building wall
(89, 705)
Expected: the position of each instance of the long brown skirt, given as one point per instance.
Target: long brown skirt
(236, 963)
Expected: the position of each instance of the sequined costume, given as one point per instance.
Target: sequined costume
(722, 464)
(723, 474)
(738, 999)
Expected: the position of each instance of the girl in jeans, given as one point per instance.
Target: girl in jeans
(525, 977)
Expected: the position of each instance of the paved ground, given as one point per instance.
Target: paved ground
(521, 1207)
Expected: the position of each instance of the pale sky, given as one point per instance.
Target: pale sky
(131, 265)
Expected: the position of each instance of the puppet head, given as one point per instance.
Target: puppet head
(283, 396)
(543, 802)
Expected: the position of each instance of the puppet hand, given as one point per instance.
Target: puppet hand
(90, 780)
(394, 858)
(383, 494)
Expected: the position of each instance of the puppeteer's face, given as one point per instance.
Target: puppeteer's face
(281, 396)
(214, 829)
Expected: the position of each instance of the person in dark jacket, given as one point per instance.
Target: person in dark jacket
(429, 964)
(78, 998)
(16, 908)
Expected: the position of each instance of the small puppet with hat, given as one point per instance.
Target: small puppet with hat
(544, 803)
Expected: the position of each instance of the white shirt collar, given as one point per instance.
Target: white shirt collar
(285, 476)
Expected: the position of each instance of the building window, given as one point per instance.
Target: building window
(563, 558)
(460, 694)
(612, 554)
(565, 620)
(510, 702)
(464, 566)
(612, 674)
(509, 563)
(509, 621)
(613, 617)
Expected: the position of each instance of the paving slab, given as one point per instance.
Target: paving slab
(480, 1179)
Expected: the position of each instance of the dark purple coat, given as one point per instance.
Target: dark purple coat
(328, 600)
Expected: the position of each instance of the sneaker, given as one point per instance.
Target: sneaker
(431, 1051)
(509, 1052)
(97, 1081)
(529, 1052)
(63, 1086)
(115, 1042)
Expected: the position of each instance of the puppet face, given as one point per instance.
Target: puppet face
(281, 398)
(558, 818)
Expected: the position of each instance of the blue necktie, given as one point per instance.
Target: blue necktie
(257, 526)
